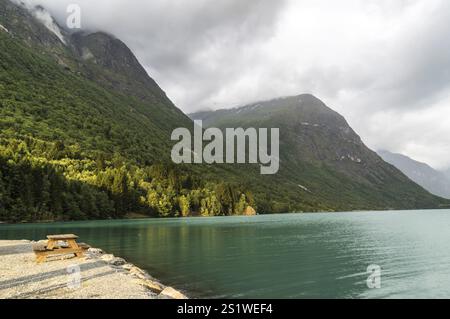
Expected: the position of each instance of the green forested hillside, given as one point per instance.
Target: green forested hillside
(41, 181)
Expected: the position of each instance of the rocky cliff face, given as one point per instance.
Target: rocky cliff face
(34, 26)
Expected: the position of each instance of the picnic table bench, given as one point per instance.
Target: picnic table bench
(59, 245)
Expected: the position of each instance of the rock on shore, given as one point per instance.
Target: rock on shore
(100, 276)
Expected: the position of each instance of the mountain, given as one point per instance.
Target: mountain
(432, 180)
(323, 162)
(116, 101)
(85, 134)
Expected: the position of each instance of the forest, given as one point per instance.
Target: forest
(42, 181)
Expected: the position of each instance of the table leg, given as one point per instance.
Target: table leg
(73, 244)
(51, 244)
(40, 258)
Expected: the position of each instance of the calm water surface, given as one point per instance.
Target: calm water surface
(279, 256)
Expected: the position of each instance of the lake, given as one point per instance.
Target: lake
(322, 255)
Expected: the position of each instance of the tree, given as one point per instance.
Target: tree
(184, 204)
(241, 205)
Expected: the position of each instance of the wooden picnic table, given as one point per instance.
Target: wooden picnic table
(70, 239)
(54, 248)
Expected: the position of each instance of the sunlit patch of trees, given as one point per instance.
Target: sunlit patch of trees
(42, 181)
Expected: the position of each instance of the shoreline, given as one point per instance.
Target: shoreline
(97, 275)
(3, 223)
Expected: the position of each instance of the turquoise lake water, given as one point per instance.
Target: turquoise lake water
(279, 256)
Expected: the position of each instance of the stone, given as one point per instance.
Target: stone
(170, 293)
(128, 266)
(117, 261)
(153, 286)
(250, 211)
(139, 273)
(95, 251)
(107, 257)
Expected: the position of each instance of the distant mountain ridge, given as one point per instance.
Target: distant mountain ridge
(434, 181)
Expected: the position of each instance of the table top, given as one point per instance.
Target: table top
(62, 237)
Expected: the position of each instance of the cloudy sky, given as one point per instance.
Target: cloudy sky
(383, 64)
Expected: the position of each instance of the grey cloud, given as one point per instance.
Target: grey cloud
(196, 46)
(418, 70)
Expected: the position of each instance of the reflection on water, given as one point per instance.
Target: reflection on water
(279, 256)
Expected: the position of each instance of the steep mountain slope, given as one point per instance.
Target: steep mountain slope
(432, 180)
(116, 101)
(322, 159)
(85, 132)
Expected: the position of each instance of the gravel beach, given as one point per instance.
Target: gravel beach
(97, 275)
